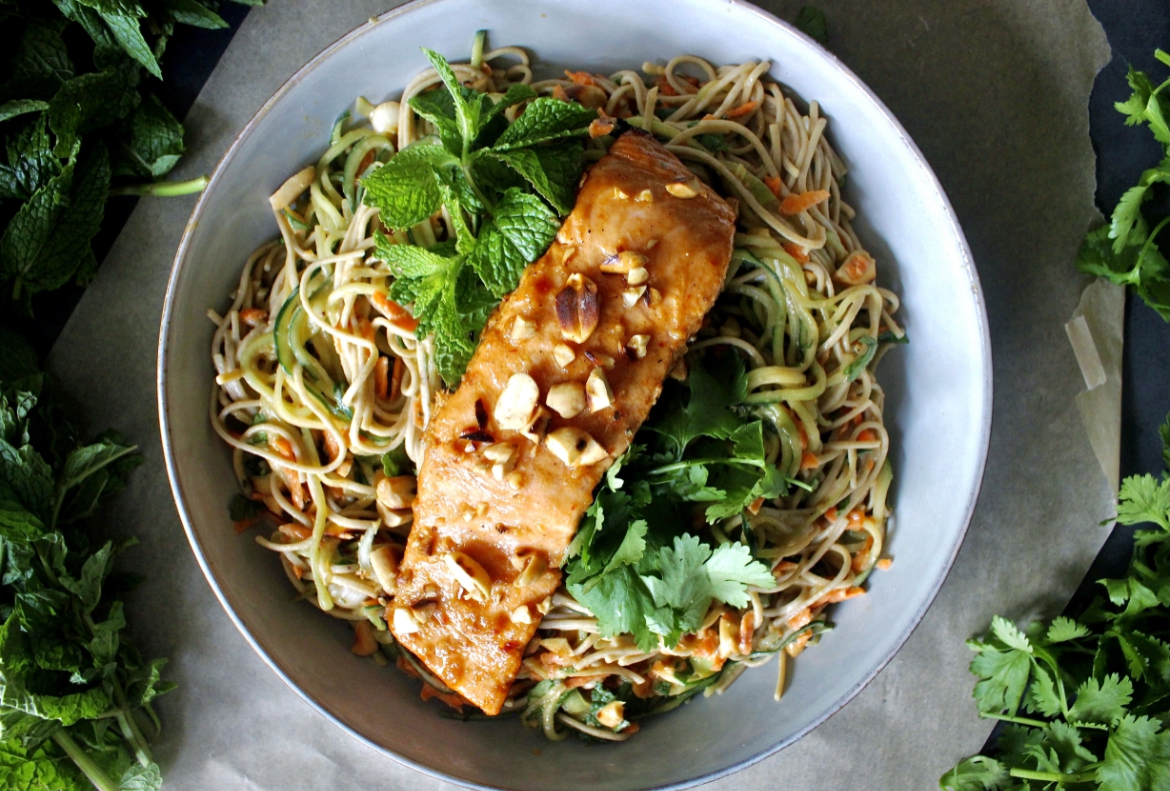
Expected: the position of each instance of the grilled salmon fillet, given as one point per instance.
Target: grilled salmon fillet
(566, 370)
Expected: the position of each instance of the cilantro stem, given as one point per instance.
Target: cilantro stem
(1149, 241)
(1054, 777)
(682, 465)
(1016, 720)
(164, 189)
(90, 769)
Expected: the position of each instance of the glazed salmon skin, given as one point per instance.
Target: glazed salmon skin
(566, 370)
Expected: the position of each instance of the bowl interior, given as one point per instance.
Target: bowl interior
(938, 390)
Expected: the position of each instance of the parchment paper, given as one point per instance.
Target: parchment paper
(995, 93)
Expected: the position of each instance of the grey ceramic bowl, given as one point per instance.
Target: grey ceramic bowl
(939, 391)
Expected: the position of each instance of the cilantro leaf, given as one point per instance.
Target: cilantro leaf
(1144, 499)
(1139, 264)
(978, 773)
(1134, 108)
(620, 601)
(405, 190)
(1064, 629)
(1128, 210)
(543, 120)
(731, 569)
(1003, 675)
(520, 229)
(714, 386)
(1137, 757)
(1102, 701)
(862, 359)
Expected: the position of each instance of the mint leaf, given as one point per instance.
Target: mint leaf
(520, 230)
(190, 12)
(438, 107)
(469, 106)
(405, 190)
(16, 107)
(91, 102)
(128, 33)
(554, 171)
(546, 119)
(31, 162)
(154, 143)
(45, 242)
(811, 21)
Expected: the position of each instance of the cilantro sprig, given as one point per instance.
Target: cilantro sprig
(633, 565)
(1125, 251)
(503, 185)
(1087, 699)
(74, 694)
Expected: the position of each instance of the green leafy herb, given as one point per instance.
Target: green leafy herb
(74, 694)
(1087, 698)
(811, 21)
(503, 186)
(631, 564)
(1125, 251)
(77, 123)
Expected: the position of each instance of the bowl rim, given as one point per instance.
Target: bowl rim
(968, 266)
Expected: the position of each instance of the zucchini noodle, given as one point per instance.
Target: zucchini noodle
(320, 377)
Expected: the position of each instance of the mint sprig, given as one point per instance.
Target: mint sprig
(504, 188)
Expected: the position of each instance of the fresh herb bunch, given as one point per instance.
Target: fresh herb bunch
(74, 694)
(76, 117)
(504, 187)
(633, 565)
(1125, 251)
(1097, 687)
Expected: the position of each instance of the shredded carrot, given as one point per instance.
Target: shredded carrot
(841, 594)
(284, 448)
(809, 460)
(364, 329)
(399, 316)
(773, 184)
(796, 251)
(800, 430)
(831, 514)
(867, 435)
(364, 643)
(331, 447)
(664, 86)
(755, 506)
(572, 682)
(297, 571)
(253, 317)
(580, 77)
(747, 108)
(885, 563)
(795, 204)
(382, 378)
(747, 628)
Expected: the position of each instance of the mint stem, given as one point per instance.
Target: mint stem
(164, 189)
(91, 770)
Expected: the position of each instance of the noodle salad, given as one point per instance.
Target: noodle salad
(768, 439)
